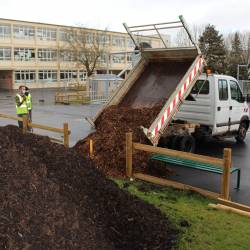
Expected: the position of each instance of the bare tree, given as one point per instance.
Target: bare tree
(182, 39)
(85, 47)
(245, 41)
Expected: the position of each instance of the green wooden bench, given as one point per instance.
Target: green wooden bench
(195, 164)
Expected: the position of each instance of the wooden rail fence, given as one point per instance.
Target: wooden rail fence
(67, 98)
(224, 163)
(26, 124)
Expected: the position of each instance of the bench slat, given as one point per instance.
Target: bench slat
(190, 163)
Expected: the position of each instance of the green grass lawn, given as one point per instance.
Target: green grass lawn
(200, 227)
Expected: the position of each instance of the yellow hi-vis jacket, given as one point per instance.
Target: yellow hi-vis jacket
(23, 108)
(29, 101)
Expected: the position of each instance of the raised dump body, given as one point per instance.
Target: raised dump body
(156, 83)
(162, 76)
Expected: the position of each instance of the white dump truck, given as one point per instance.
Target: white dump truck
(218, 107)
(195, 105)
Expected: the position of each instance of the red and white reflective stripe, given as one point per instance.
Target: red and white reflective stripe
(177, 98)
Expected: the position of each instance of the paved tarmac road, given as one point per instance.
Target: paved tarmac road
(48, 113)
(211, 181)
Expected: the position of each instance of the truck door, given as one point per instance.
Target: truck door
(236, 105)
(222, 106)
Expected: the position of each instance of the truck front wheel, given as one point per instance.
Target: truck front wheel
(187, 144)
(242, 132)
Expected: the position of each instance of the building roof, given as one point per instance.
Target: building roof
(67, 26)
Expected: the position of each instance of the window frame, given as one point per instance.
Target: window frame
(46, 55)
(227, 88)
(201, 91)
(23, 76)
(68, 75)
(4, 51)
(47, 76)
(47, 34)
(239, 92)
(25, 56)
(5, 30)
(28, 32)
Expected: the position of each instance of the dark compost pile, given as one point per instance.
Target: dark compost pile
(109, 138)
(52, 198)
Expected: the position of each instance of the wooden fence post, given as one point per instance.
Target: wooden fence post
(25, 124)
(225, 187)
(91, 155)
(129, 154)
(66, 135)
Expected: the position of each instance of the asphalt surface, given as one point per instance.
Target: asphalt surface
(212, 181)
(48, 113)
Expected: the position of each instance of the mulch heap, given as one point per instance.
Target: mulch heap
(52, 198)
(109, 138)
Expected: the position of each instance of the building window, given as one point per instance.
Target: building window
(102, 39)
(103, 58)
(47, 55)
(5, 54)
(223, 90)
(129, 58)
(130, 43)
(69, 36)
(64, 35)
(118, 58)
(24, 32)
(118, 41)
(89, 38)
(66, 56)
(25, 76)
(46, 34)
(5, 31)
(82, 75)
(68, 75)
(24, 54)
(47, 75)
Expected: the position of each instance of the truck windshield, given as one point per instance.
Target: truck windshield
(201, 87)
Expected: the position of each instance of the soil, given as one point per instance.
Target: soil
(109, 138)
(52, 198)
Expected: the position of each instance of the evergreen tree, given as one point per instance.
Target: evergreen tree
(235, 55)
(213, 48)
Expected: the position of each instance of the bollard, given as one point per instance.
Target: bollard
(91, 150)
(129, 154)
(225, 186)
(66, 135)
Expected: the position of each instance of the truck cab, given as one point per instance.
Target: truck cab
(218, 106)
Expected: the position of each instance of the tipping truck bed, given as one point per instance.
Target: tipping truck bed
(162, 75)
(156, 83)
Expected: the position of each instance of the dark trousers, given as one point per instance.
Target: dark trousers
(20, 123)
(30, 115)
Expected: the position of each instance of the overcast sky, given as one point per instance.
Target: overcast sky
(226, 15)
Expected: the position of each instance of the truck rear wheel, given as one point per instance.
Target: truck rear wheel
(187, 143)
(176, 142)
(242, 132)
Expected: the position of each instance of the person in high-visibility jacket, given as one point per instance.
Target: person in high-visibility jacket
(21, 104)
(29, 102)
